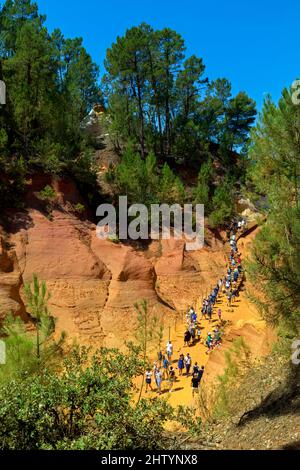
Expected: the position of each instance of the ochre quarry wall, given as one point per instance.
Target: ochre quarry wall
(94, 283)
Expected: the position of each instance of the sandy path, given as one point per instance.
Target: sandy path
(240, 312)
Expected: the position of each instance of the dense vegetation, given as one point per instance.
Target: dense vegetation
(51, 84)
(163, 111)
(166, 111)
(162, 100)
(59, 397)
(170, 125)
(275, 174)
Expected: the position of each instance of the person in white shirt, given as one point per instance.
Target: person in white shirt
(148, 375)
(169, 350)
(188, 363)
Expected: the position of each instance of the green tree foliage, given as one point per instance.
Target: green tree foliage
(27, 351)
(222, 205)
(51, 84)
(37, 299)
(87, 406)
(275, 172)
(162, 101)
(201, 193)
(149, 333)
(143, 182)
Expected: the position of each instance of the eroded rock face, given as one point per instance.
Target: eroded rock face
(10, 281)
(95, 283)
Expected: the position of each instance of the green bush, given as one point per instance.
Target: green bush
(88, 406)
(143, 182)
(47, 194)
(222, 204)
(79, 208)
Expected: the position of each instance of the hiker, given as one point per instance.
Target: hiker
(166, 365)
(160, 357)
(172, 379)
(155, 367)
(193, 332)
(199, 334)
(188, 363)
(169, 350)
(187, 338)
(148, 380)
(208, 343)
(181, 364)
(209, 312)
(195, 384)
(220, 314)
(191, 313)
(217, 338)
(229, 297)
(158, 381)
(195, 368)
(200, 373)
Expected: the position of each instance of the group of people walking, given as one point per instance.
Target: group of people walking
(229, 285)
(163, 370)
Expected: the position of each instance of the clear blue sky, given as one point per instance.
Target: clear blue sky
(255, 44)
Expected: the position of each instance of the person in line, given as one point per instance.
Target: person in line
(233, 295)
(148, 380)
(193, 332)
(200, 373)
(198, 334)
(181, 364)
(220, 314)
(169, 350)
(229, 298)
(172, 378)
(160, 357)
(166, 365)
(195, 384)
(158, 381)
(209, 313)
(204, 311)
(188, 364)
(209, 343)
(195, 368)
(187, 338)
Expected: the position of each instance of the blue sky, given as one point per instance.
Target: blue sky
(255, 44)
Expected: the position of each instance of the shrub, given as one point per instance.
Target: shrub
(47, 194)
(79, 208)
(88, 406)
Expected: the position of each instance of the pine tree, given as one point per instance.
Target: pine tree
(275, 171)
(37, 299)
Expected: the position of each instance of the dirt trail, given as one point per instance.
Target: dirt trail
(235, 317)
